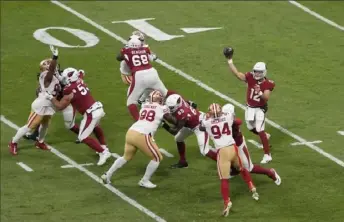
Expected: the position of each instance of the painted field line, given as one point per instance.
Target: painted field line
(163, 151)
(202, 85)
(71, 166)
(340, 133)
(93, 176)
(258, 145)
(318, 16)
(311, 142)
(25, 167)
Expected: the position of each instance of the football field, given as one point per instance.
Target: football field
(304, 53)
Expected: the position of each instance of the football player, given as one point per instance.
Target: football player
(78, 94)
(259, 89)
(243, 151)
(144, 76)
(188, 124)
(41, 109)
(140, 136)
(218, 126)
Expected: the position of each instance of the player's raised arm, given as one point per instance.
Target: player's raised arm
(52, 67)
(228, 53)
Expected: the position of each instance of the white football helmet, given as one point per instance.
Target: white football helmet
(228, 108)
(70, 75)
(259, 70)
(173, 102)
(134, 42)
(140, 35)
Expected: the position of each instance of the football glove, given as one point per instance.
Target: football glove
(55, 51)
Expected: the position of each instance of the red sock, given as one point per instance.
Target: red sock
(225, 190)
(181, 151)
(93, 144)
(212, 155)
(261, 170)
(75, 129)
(265, 142)
(254, 131)
(134, 111)
(99, 134)
(247, 178)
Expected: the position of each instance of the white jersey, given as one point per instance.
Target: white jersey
(151, 115)
(41, 105)
(220, 130)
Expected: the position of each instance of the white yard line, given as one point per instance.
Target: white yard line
(258, 145)
(93, 176)
(163, 151)
(340, 133)
(309, 142)
(25, 167)
(202, 85)
(318, 16)
(71, 166)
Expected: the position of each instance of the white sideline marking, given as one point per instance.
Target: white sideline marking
(25, 167)
(311, 142)
(318, 16)
(202, 85)
(93, 176)
(340, 133)
(258, 145)
(163, 151)
(71, 166)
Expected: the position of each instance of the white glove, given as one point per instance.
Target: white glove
(55, 51)
(152, 57)
(48, 96)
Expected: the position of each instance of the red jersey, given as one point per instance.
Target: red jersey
(82, 98)
(137, 58)
(186, 112)
(236, 132)
(252, 98)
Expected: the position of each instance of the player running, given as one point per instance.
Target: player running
(41, 109)
(243, 151)
(218, 126)
(140, 136)
(144, 76)
(259, 89)
(78, 94)
(188, 124)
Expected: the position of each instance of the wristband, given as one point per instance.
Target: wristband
(55, 57)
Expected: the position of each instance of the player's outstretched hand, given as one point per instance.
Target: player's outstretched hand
(48, 96)
(54, 50)
(228, 52)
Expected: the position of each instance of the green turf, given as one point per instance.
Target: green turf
(304, 57)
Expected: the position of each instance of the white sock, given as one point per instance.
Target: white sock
(43, 129)
(116, 165)
(104, 147)
(151, 168)
(20, 133)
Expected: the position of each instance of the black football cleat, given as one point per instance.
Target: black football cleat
(33, 136)
(180, 165)
(77, 141)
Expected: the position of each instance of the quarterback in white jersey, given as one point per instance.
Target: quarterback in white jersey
(219, 127)
(139, 136)
(41, 109)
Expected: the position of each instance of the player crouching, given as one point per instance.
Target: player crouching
(140, 136)
(218, 126)
(78, 94)
(42, 110)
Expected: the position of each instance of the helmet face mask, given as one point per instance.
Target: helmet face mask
(156, 97)
(69, 75)
(44, 64)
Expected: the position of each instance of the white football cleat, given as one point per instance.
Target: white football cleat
(278, 180)
(146, 184)
(266, 158)
(103, 157)
(105, 179)
(255, 195)
(227, 207)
